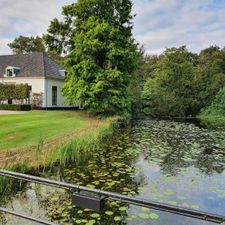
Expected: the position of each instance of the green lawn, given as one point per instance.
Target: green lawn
(27, 129)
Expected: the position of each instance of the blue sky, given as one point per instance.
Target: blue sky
(158, 23)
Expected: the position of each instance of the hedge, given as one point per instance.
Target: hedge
(14, 91)
(15, 107)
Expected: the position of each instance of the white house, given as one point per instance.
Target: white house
(44, 77)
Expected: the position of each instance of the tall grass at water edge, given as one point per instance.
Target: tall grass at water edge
(75, 150)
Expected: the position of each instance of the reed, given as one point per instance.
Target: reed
(76, 150)
(39, 151)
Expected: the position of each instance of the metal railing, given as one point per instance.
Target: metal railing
(26, 217)
(114, 196)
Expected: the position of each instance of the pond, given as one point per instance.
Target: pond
(166, 161)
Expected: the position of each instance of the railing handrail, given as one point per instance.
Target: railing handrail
(123, 198)
(25, 217)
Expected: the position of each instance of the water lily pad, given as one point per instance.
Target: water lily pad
(185, 205)
(172, 202)
(145, 209)
(195, 207)
(117, 218)
(169, 192)
(122, 208)
(91, 185)
(95, 215)
(109, 213)
(153, 216)
(91, 222)
(144, 215)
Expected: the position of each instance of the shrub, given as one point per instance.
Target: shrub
(14, 91)
(218, 105)
(15, 107)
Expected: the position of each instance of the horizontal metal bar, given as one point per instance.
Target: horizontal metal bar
(26, 217)
(123, 198)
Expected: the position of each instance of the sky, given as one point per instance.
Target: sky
(158, 23)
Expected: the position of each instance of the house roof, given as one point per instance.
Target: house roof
(32, 65)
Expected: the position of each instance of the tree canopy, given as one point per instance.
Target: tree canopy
(103, 56)
(182, 83)
(24, 44)
(59, 36)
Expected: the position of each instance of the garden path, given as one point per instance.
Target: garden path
(7, 112)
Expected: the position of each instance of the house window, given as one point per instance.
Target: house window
(29, 101)
(54, 95)
(63, 73)
(9, 72)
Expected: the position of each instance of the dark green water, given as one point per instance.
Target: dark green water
(172, 162)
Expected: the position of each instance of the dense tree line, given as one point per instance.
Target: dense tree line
(181, 83)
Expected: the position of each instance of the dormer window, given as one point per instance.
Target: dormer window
(62, 72)
(11, 71)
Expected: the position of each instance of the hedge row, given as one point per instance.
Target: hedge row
(14, 91)
(15, 107)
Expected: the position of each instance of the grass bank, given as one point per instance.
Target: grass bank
(48, 137)
(26, 129)
(71, 147)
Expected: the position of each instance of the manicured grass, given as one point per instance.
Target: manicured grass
(27, 129)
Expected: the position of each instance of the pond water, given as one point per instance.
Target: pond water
(166, 161)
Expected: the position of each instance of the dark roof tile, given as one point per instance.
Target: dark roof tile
(31, 65)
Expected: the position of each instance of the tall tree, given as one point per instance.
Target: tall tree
(59, 36)
(146, 67)
(103, 56)
(24, 44)
(211, 74)
(170, 89)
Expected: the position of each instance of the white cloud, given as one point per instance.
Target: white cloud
(158, 24)
(26, 17)
(4, 49)
(166, 23)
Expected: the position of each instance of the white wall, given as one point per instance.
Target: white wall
(49, 83)
(40, 85)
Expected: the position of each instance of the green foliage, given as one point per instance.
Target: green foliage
(15, 107)
(24, 44)
(146, 67)
(169, 90)
(210, 76)
(59, 36)
(12, 91)
(182, 83)
(218, 105)
(74, 150)
(103, 56)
